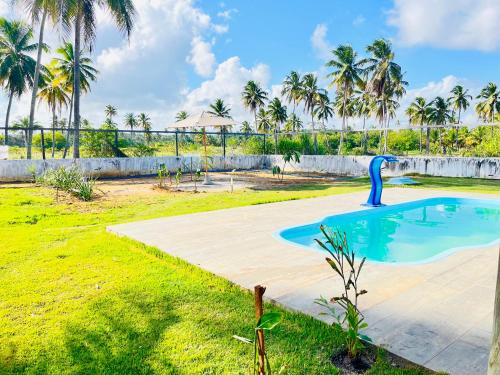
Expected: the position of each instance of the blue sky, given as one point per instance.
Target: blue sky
(184, 54)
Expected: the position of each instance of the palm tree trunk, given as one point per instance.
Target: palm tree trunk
(494, 361)
(7, 115)
(35, 83)
(421, 135)
(428, 140)
(66, 143)
(386, 130)
(54, 121)
(343, 121)
(365, 136)
(76, 143)
(255, 120)
(456, 133)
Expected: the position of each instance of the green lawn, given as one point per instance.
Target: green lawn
(76, 299)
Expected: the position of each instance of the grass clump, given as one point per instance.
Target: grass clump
(71, 180)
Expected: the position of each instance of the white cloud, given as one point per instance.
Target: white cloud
(221, 29)
(319, 43)
(470, 24)
(201, 57)
(227, 14)
(227, 84)
(359, 20)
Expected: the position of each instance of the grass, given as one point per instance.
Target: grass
(76, 299)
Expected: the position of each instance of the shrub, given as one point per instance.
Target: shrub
(141, 150)
(69, 179)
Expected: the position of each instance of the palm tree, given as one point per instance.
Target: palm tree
(490, 104)
(54, 94)
(440, 114)
(245, 127)
(278, 115)
(310, 92)
(47, 8)
(109, 112)
(459, 102)
(264, 123)
(292, 89)
(218, 108)
(363, 107)
(65, 65)
(130, 121)
(386, 81)
(182, 115)
(419, 113)
(22, 124)
(83, 16)
(144, 122)
(346, 75)
(293, 124)
(324, 109)
(384, 108)
(17, 67)
(253, 97)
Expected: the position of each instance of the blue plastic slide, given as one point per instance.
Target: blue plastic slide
(376, 179)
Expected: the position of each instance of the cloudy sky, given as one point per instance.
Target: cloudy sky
(183, 54)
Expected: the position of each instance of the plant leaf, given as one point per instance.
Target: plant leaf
(269, 320)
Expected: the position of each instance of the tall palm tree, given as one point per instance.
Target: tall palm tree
(324, 108)
(278, 115)
(419, 113)
(386, 81)
(440, 114)
(363, 107)
(264, 123)
(144, 121)
(218, 108)
(293, 124)
(110, 112)
(22, 124)
(345, 76)
(310, 92)
(459, 101)
(17, 67)
(37, 9)
(182, 115)
(490, 103)
(130, 121)
(292, 89)
(65, 65)
(254, 97)
(54, 94)
(82, 14)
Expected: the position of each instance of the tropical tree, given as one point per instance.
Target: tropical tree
(182, 115)
(324, 108)
(254, 97)
(17, 67)
(144, 122)
(54, 94)
(490, 103)
(459, 102)
(292, 89)
(130, 121)
(22, 125)
(245, 127)
(277, 113)
(65, 65)
(218, 108)
(363, 107)
(386, 81)
(384, 109)
(440, 114)
(293, 124)
(347, 72)
(110, 112)
(419, 113)
(310, 92)
(264, 123)
(82, 14)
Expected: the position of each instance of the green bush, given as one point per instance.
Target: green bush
(69, 179)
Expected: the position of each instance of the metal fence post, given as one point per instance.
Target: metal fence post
(43, 144)
(176, 143)
(116, 138)
(223, 142)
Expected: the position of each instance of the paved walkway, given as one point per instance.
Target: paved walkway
(437, 314)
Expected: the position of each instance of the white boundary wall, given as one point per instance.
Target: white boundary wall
(19, 170)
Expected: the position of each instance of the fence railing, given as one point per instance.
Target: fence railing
(58, 142)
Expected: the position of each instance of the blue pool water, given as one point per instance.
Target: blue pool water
(417, 231)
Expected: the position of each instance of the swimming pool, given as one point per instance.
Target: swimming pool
(418, 231)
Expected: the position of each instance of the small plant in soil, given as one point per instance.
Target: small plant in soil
(162, 174)
(344, 308)
(178, 177)
(196, 177)
(288, 157)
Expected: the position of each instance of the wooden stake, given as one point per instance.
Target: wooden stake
(259, 311)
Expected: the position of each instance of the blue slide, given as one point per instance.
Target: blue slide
(376, 179)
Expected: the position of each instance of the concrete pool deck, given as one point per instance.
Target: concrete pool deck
(435, 314)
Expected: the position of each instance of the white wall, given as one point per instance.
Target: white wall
(18, 170)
